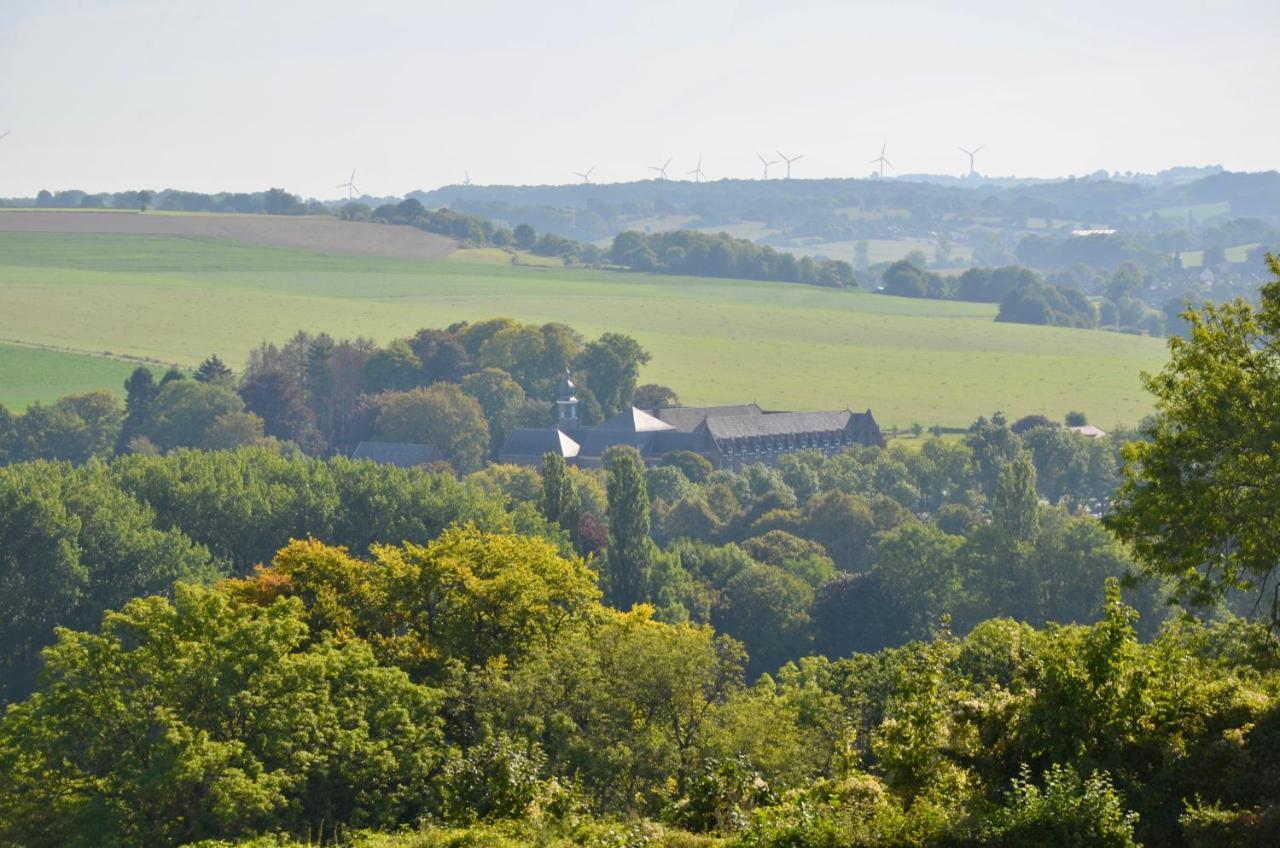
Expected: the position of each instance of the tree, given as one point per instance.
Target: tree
(234, 430)
(905, 279)
(525, 237)
(140, 391)
(917, 568)
(862, 255)
(184, 410)
(1015, 507)
(519, 350)
(276, 398)
(440, 356)
(73, 544)
(501, 398)
(1198, 502)
(204, 718)
(768, 610)
(441, 415)
(560, 502)
(696, 467)
(393, 369)
(213, 370)
(1126, 280)
(76, 428)
(1076, 419)
(611, 365)
(630, 555)
(841, 523)
(654, 396)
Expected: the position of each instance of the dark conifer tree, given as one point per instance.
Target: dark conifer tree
(213, 370)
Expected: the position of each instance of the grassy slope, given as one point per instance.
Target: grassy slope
(30, 374)
(786, 346)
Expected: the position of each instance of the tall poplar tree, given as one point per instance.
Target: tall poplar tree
(560, 502)
(630, 554)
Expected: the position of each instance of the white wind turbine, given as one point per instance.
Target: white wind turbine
(881, 160)
(586, 175)
(350, 186)
(971, 153)
(661, 169)
(789, 161)
(696, 172)
(766, 164)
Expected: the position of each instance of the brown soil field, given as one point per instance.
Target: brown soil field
(310, 232)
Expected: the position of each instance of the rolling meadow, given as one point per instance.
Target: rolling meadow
(69, 301)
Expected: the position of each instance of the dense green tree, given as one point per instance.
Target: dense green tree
(76, 428)
(395, 368)
(630, 556)
(440, 356)
(560, 502)
(993, 446)
(1201, 492)
(72, 545)
(518, 350)
(184, 410)
(843, 524)
(234, 430)
(441, 415)
(694, 466)
(524, 236)
(1015, 507)
(654, 396)
(205, 718)
(918, 567)
(611, 365)
(766, 609)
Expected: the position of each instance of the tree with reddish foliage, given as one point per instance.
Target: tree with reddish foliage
(593, 536)
(276, 398)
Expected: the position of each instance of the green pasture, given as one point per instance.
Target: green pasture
(783, 345)
(879, 250)
(30, 374)
(1237, 253)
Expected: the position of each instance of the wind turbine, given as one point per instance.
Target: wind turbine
(971, 154)
(466, 178)
(789, 161)
(766, 163)
(881, 160)
(697, 172)
(661, 169)
(586, 175)
(350, 186)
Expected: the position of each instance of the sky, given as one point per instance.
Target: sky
(241, 96)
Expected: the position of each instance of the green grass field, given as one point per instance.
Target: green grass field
(31, 374)
(785, 346)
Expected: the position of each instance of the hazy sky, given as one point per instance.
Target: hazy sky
(235, 95)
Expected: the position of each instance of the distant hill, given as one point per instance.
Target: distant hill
(857, 208)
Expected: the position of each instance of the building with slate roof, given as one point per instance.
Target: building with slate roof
(399, 454)
(728, 436)
(527, 446)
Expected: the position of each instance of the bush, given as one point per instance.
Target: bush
(1066, 813)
